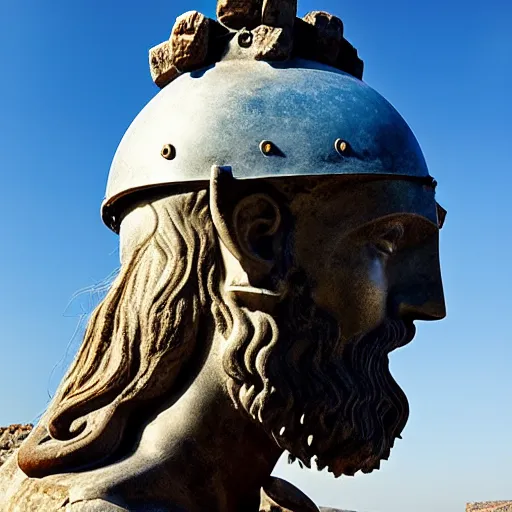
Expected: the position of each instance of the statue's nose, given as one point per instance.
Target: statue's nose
(416, 288)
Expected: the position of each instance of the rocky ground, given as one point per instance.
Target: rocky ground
(10, 439)
(490, 506)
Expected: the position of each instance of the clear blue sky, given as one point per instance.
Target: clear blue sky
(74, 74)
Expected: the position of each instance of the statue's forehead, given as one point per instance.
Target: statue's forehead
(355, 203)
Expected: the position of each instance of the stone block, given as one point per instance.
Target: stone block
(272, 43)
(189, 41)
(279, 13)
(329, 34)
(349, 61)
(238, 14)
(163, 71)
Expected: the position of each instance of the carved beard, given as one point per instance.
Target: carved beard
(318, 396)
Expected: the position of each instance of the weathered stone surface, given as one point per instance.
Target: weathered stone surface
(238, 14)
(11, 438)
(189, 41)
(272, 43)
(319, 37)
(36, 495)
(275, 32)
(279, 13)
(163, 71)
(329, 33)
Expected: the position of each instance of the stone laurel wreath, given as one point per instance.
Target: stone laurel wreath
(269, 28)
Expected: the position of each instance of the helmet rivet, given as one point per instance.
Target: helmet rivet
(168, 152)
(267, 148)
(341, 146)
(245, 39)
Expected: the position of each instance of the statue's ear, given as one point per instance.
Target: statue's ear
(249, 226)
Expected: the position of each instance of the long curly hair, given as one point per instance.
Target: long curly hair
(137, 340)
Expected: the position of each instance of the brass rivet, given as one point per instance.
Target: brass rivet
(341, 146)
(266, 147)
(168, 152)
(245, 39)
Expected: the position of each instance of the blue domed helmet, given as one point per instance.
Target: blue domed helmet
(296, 117)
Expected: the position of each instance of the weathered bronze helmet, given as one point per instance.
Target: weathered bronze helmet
(263, 119)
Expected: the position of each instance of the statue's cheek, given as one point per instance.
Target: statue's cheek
(366, 306)
(376, 282)
(353, 287)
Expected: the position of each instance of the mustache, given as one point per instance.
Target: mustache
(390, 335)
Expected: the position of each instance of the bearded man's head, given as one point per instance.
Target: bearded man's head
(279, 227)
(308, 310)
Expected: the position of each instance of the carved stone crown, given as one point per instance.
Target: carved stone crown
(269, 27)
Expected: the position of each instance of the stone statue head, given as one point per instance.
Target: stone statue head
(279, 238)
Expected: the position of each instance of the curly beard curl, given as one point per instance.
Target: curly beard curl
(317, 395)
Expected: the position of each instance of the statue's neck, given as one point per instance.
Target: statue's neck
(199, 453)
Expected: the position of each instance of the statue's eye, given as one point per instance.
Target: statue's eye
(385, 247)
(387, 241)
